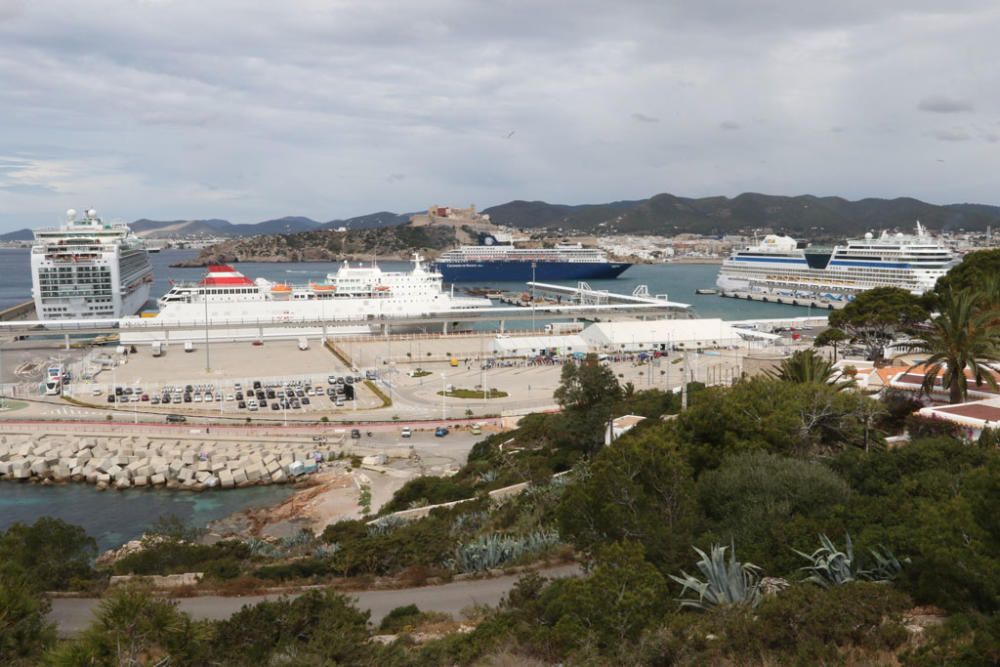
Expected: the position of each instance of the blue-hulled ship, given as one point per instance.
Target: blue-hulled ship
(493, 261)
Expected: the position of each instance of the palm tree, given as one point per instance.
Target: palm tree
(965, 335)
(807, 367)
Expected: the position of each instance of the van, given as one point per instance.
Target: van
(303, 344)
(188, 346)
(176, 419)
(157, 348)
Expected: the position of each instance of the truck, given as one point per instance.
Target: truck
(563, 328)
(188, 346)
(157, 347)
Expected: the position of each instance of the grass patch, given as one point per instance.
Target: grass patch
(386, 401)
(473, 393)
(420, 373)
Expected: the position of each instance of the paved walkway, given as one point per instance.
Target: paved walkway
(72, 615)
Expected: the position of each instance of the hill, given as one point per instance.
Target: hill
(323, 245)
(804, 215)
(19, 235)
(292, 224)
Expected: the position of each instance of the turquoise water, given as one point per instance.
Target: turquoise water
(114, 517)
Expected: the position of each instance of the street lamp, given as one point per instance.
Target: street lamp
(208, 363)
(443, 392)
(534, 265)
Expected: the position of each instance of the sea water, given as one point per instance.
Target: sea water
(114, 517)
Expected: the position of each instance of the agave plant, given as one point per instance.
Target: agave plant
(384, 525)
(833, 567)
(726, 582)
(830, 566)
(494, 550)
(326, 550)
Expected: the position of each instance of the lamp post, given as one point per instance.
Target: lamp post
(443, 392)
(534, 265)
(208, 362)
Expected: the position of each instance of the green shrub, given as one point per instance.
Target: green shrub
(400, 617)
(224, 568)
(306, 568)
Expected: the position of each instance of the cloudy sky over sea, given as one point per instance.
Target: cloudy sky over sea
(250, 109)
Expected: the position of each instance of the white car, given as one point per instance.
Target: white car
(405, 432)
(230, 397)
(208, 398)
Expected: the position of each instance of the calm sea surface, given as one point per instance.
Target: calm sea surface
(677, 281)
(115, 517)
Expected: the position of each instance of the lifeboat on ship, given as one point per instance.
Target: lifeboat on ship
(281, 291)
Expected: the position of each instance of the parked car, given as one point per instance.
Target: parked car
(440, 432)
(406, 432)
(355, 433)
(176, 419)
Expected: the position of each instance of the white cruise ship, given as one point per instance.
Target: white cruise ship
(777, 266)
(89, 269)
(350, 296)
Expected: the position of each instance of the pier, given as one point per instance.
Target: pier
(823, 304)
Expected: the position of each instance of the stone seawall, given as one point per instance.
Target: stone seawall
(124, 462)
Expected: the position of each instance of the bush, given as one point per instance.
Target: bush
(306, 568)
(171, 557)
(224, 568)
(399, 618)
(429, 491)
(51, 553)
(766, 502)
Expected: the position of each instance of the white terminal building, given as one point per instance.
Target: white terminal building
(625, 337)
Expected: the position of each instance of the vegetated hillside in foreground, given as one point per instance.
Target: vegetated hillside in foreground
(805, 215)
(326, 245)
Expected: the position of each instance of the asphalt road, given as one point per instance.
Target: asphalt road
(72, 615)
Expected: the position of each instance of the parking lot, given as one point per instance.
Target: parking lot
(311, 394)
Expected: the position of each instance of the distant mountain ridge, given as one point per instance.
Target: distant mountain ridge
(803, 216)
(292, 224)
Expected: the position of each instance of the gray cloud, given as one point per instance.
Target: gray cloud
(643, 118)
(951, 134)
(306, 107)
(944, 104)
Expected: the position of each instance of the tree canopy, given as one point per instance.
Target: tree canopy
(875, 315)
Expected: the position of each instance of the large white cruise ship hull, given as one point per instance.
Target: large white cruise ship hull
(354, 300)
(777, 267)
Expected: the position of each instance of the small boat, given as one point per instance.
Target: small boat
(706, 290)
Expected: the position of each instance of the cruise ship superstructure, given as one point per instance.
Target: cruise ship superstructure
(349, 297)
(493, 260)
(778, 266)
(88, 268)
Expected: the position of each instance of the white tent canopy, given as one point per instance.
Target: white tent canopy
(660, 335)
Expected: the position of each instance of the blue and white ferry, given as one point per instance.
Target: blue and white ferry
(778, 266)
(493, 261)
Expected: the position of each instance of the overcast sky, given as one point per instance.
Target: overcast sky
(247, 110)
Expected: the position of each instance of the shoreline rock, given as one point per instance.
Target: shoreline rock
(143, 462)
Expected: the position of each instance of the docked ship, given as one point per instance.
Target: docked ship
(88, 268)
(493, 261)
(340, 305)
(778, 266)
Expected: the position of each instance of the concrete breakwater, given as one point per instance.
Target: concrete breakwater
(127, 461)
